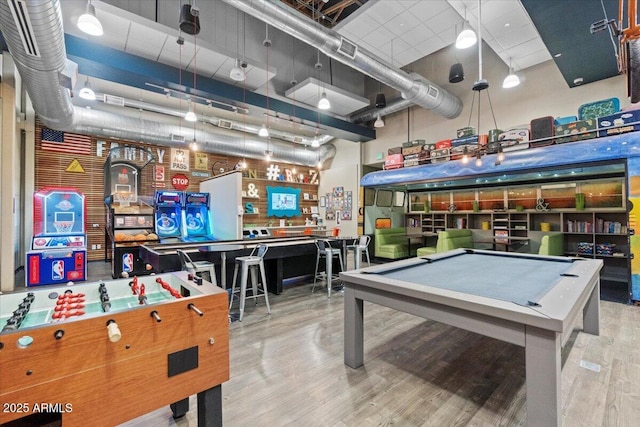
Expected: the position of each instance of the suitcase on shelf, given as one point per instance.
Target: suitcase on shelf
(542, 131)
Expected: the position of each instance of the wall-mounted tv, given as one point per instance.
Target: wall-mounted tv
(283, 201)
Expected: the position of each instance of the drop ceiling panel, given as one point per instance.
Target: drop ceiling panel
(144, 41)
(343, 103)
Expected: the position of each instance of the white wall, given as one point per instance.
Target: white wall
(542, 92)
(344, 172)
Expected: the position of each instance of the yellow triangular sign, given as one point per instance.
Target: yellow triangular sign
(75, 166)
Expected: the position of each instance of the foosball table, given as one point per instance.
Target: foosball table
(105, 352)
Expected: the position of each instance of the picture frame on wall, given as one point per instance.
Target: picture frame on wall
(323, 201)
(305, 196)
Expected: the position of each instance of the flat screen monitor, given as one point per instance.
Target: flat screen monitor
(283, 201)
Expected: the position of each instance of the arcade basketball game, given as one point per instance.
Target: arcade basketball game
(58, 250)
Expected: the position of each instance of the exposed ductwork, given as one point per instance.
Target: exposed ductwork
(33, 31)
(420, 91)
(217, 121)
(109, 125)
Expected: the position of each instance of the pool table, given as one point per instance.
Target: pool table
(529, 300)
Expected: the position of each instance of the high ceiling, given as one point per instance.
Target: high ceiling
(521, 32)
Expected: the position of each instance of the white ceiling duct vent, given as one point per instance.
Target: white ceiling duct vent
(347, 48)
(226, 124)
(113, 100)
(298, 139)
(433, 92)
(177, 138)
(23, 25)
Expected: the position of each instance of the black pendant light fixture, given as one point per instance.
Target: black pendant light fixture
(189, 19)
(456, 73)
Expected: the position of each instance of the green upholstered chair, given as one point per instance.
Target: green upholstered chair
(391, 243)
(448, 240)
(552, 244)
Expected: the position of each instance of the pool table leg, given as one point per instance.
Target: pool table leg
(543, 374)
(591, 312)
(353, 329)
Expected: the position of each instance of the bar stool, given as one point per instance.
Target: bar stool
(358, 247)
(196, 267)
(248, 264)
(328, 253)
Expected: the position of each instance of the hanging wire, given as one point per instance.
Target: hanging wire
(195, 67)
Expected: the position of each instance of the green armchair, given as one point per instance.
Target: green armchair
(552, 244)
(391, 243)
(448, 240)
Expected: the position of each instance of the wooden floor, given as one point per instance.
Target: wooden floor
(287, 370)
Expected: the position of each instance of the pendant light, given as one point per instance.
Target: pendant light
(467, 36)
(191, 115)
(263, 132)
(237, 73)
(512, 80)
(89, 23)
(379, 123)
(324, 103)
(86, 92)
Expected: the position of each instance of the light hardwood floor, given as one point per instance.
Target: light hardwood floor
(287, 370)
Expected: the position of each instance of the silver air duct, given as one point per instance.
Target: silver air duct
(33, 31)
(110, 125)
(421, 92)
(217, 121)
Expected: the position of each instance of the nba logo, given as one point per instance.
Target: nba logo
(127, 263)
(57, 270)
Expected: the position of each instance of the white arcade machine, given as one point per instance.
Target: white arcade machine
(58, 251)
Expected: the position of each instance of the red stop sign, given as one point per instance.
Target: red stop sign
(180, 181)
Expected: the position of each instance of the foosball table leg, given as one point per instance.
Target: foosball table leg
(210, 407)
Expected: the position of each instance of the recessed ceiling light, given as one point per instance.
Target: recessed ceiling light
(557, 55)
(507, 24)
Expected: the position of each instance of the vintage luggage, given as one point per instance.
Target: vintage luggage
(393, 161)
(593, 110)
(542, 130)
(514, 139)
(625, 121)
(576, 131)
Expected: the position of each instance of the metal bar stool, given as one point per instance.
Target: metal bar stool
(195, 267)
(248, 264)
(328, 253)
(358, 247)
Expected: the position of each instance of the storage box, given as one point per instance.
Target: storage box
(394, 150)
(514, 139)
(465, 131)
(585, 248)
(413, 143)
(605, 248)
(576, 131)
(440, 155)
(625, 121)
(603, 107)
(394, 161)
(411, 150)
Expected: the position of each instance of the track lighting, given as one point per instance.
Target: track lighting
(89, 23)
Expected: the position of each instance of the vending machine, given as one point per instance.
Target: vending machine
(58, 251)
(169, 219)
(197, 219)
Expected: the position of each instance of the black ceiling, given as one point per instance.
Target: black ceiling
(564, 28)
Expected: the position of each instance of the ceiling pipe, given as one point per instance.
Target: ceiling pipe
(42, 71)
(421, 92)
(110, 125)
(216, 121)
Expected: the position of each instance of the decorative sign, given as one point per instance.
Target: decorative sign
(248, 208)
(314, 176)
(180, 181)
(179, 159)
(201, 174)
(159, 173)
(75, 166)
(339, 205)
(201, 161)
(252, 191)
(273, 172)
(288, 175)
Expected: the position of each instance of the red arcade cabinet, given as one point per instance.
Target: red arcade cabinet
(59, 253)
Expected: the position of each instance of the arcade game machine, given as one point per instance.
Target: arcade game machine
(169, 219)
(196, 218)
(128, 175)
(58, 251)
